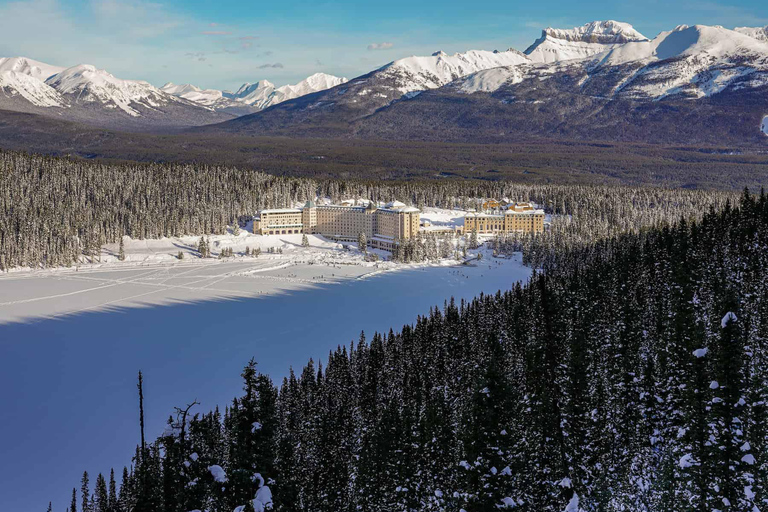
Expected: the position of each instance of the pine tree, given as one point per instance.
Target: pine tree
(73, 503)
(362, 242)
(101, 496)
(121, 250)
(85, 493)
(304, 240)
(112, 498)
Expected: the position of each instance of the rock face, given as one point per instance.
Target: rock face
(557, 45)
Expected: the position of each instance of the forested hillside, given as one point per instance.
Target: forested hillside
(630, 376)
(57, 212)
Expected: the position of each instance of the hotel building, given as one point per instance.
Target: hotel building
(382, 226)
(515, 218)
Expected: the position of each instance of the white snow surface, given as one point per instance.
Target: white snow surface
(419, 73)
(700, 352)
(153, 275)
(218, 473)
(729, 317)
(573, 505)
(557, 45)
(35, 69)
(190, 92)
(30, 88)
(764, 125)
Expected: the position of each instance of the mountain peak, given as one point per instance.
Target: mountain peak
(25, 66)
(602, 32)
(580, 42)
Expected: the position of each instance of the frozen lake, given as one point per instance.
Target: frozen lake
(69, 382)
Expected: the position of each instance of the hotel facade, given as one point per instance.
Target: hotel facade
(383, 226)
(515, 218)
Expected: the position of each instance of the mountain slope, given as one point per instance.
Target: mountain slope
(330, 112)
(695, 84)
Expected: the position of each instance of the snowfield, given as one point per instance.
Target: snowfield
(152, 274)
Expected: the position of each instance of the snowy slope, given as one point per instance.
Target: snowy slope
(556, 45)
(22, 77)
(189, 92)
(693, 61)
(314, 83)
(690, 62)
(87, 84)
(265, 94)
(760, 33)
(38, 70)
(255, 94)
(420, 73)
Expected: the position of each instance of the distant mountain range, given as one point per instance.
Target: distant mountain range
(251, 98)
(604, 80)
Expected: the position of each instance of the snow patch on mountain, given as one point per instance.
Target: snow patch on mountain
(420, 73)
(556, 45)
(87, 84)
(490, 80)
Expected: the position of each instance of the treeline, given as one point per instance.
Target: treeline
(55, 211)
(632, 375)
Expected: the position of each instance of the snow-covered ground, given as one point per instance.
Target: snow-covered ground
(439, 218)
(152, 273)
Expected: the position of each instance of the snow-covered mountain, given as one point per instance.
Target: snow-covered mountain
(88, 94)
(604, 80)
(413, 74)
(85, 84)
(687, 62)
(207, 97)
(557, 45)
(257, 96)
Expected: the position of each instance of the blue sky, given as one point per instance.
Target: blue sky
(223, 44)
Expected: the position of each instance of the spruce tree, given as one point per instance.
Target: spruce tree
(362, 242)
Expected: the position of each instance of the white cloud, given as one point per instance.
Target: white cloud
(380, 46)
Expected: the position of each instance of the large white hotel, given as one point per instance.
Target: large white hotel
(383, 226)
